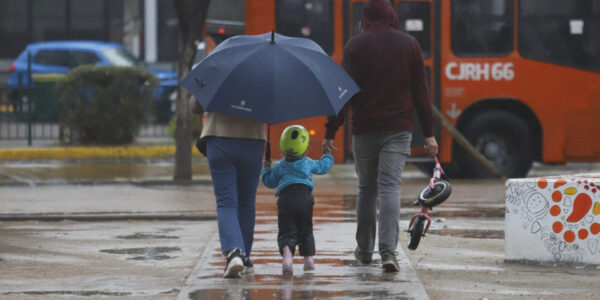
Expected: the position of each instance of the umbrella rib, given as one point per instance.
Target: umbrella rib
(233, 69)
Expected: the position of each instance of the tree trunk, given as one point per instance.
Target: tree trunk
(191, 16)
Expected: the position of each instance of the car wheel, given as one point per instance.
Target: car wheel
(505, 139)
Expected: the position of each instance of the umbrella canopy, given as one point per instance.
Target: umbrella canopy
(271, 78)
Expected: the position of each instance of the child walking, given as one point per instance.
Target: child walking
(292, 176)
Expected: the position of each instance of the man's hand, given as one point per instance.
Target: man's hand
(431, 146)
(266, 163)
(327, 146)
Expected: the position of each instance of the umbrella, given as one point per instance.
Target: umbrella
(270, 78)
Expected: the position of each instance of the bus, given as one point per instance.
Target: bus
(520, 79)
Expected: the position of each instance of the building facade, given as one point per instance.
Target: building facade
(148, 28)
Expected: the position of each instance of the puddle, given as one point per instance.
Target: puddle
(292, 293)
(98, 169)
(444, 210)
(469, 233)
(148, 253)
(70, 293)
(452, 267)
(476, 212)
(146, 236)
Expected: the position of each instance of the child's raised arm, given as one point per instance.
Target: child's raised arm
(269, 175)
(323, 165)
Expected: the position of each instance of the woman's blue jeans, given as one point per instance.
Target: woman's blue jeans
(235, 166)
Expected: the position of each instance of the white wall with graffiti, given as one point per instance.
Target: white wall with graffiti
(553, 219)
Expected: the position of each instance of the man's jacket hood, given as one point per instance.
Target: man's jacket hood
(379, 15)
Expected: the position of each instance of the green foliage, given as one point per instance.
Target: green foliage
(196, 127)
(105, 105)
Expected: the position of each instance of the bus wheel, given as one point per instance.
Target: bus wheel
(505, 139)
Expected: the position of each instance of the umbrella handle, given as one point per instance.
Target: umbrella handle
(268, 152)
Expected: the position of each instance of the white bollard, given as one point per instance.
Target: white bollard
(553, 219)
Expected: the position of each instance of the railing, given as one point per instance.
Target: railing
(34, 116)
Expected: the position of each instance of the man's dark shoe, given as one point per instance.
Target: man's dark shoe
(235, 264)
(389, 262)
(248, 265)
(362, 257)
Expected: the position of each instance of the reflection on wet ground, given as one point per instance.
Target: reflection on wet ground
(289, 293)
(94, 170)
(149, 235)
(336, 275)
(70, 293)
(470, 233)
(146, 253)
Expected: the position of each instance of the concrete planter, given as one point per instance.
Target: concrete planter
(553, 219)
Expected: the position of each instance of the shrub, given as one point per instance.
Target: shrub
(105, 105)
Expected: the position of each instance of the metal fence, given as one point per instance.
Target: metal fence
(34, 116)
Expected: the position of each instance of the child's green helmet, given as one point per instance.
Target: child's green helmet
(294, 140)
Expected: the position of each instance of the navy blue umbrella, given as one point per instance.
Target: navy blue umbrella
(271, 78)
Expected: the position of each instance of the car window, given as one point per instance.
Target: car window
(79, 58)
(120, 57)
(52, 58)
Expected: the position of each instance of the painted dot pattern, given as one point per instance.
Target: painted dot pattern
(571, 205)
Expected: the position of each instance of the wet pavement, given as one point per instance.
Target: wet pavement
(161, 242)
(108, 260)
(336, 274)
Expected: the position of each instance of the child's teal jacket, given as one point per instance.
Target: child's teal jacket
(300, 171)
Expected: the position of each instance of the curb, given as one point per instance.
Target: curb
(107, 217)
(124, 152)
(153, 182)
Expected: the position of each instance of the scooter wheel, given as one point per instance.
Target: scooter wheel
(416, 232)
(431, 197)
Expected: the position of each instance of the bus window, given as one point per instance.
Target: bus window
(311, 19)
(357, 8)
(561, 32)
(415, 20)
(482, 27)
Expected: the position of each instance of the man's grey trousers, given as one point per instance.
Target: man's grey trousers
(379, 159)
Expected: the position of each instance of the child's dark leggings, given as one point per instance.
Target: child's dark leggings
(294, 210)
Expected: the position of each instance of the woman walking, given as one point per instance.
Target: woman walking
(234, 149)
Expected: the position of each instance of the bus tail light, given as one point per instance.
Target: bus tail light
(221, 30)
(12, 68)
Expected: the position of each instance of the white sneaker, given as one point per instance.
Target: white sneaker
(235, 264)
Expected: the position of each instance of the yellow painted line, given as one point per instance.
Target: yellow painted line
(90, 152)
(47, 77)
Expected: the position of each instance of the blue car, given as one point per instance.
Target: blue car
(58, 57)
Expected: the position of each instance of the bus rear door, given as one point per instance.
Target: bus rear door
(419, 18)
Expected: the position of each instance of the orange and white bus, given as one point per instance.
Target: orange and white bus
(520, 79)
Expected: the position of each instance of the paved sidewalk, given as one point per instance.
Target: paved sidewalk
(336, 274)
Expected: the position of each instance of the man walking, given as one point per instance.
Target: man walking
(387, 65)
